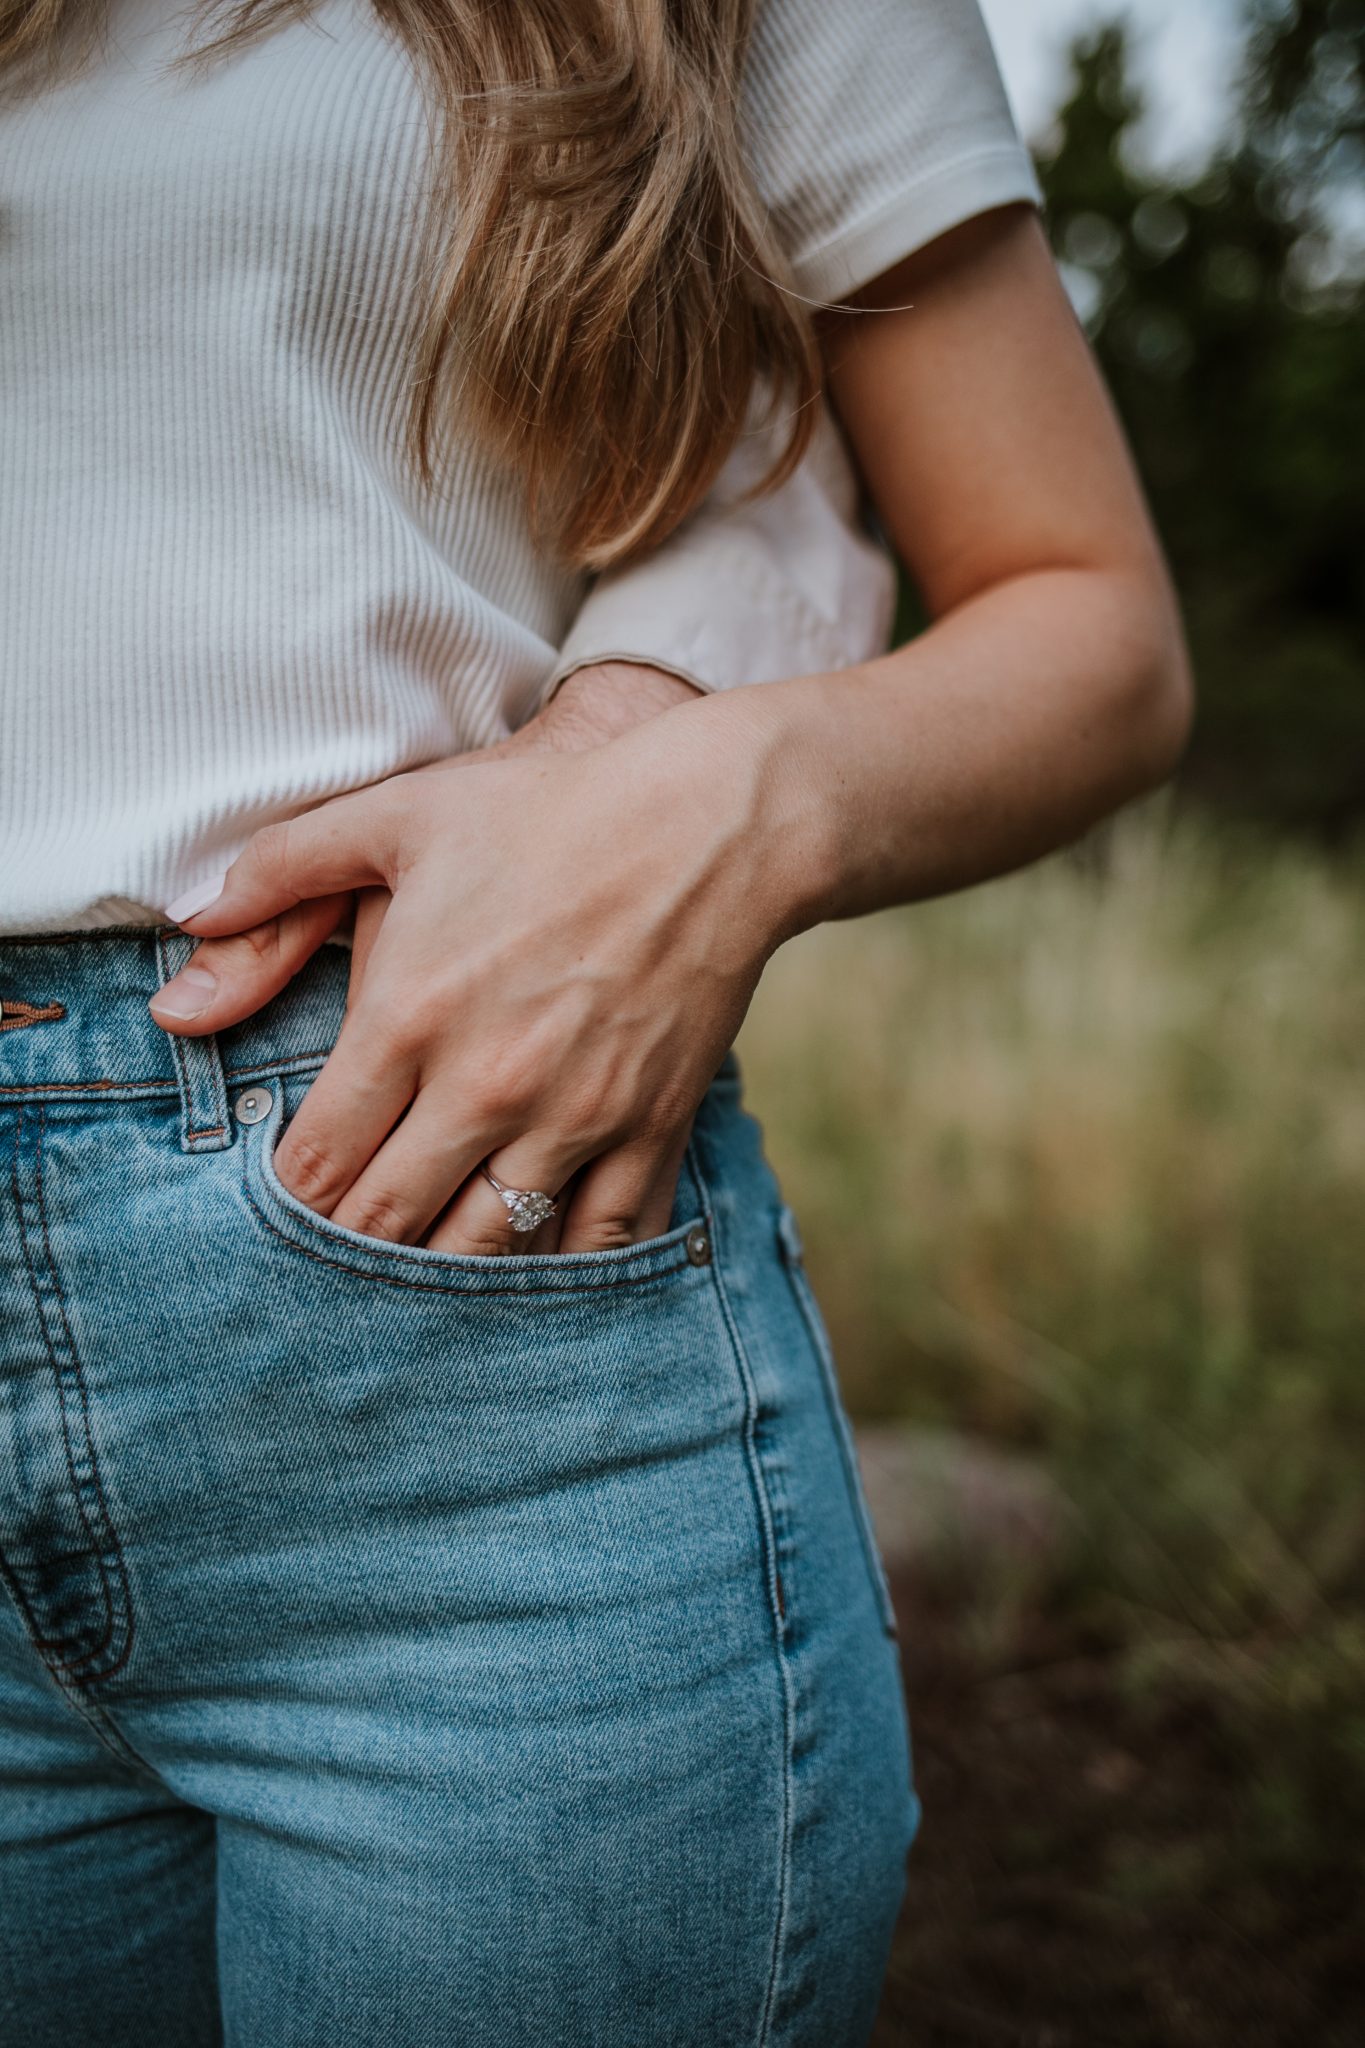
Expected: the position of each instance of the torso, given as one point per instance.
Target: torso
(224, 595)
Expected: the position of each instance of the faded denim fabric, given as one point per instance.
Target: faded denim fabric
(400, 1649)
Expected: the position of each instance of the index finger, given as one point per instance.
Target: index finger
(347, 843)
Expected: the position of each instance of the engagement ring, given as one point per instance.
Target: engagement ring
(527, 1208)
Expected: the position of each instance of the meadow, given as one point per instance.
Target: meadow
(1078, 1159)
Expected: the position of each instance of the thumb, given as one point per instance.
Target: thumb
(348, 843)
(228, 979)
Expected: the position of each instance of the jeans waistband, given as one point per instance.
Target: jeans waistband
(74, 1026)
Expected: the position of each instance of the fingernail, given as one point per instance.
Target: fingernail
(188, 994)
(195, 900)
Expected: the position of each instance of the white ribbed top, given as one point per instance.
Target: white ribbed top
(222, 597)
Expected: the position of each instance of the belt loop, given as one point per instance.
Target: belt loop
(205, 1125)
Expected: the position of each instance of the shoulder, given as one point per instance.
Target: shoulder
(873, 126)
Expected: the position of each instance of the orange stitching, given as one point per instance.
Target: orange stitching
(165, 1086)
(126, 1619)
(42, 1088)
(15, 1016)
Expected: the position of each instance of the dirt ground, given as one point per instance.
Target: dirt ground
(1071, 1887)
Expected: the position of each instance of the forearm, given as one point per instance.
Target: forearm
(564, 1020)
(1004, 731)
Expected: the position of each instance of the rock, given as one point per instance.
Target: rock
(940, 1497)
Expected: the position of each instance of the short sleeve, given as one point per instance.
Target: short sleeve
(749, 589)
(874, 126)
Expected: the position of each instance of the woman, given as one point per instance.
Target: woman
(440, 1604)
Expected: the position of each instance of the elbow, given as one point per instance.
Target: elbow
(1163, 717)
(1154, 689)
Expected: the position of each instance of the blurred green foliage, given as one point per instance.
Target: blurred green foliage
(1077, 1158)
(1228, 312)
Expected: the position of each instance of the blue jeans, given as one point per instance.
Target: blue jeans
(405, 1649)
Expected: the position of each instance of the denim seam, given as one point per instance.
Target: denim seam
(133, 1090)
(537, 1290)
(197, 1061)
(82, 1704)
(808, 1310)
(136, 1091)
(82, 1389)
(87, 1432)
(71, 1663)
(118, 1628)
(9, 1572)
(42, 1642)
(182, 1077)
(759, 1484)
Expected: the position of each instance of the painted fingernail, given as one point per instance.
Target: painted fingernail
(187, 995)
(195, 900)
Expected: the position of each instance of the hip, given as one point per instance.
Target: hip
(278, 1500)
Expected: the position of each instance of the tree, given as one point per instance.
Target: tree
(1228, 311)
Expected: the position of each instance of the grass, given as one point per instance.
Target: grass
(1079, 1160)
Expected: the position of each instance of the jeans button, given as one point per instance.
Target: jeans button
(253, 1106)
(699, 1247)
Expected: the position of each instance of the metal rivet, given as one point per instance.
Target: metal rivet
(699, 1247)
(254, 1106)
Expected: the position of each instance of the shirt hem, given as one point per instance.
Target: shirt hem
(913, 216)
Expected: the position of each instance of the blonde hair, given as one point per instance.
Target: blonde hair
(605, 293)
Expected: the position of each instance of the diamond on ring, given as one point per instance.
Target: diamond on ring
(527, 1208)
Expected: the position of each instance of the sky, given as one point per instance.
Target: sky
(1187, 51)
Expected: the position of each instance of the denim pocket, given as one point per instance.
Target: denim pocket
(789, 1238)
(684, 1249)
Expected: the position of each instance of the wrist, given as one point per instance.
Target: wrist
(604, 699)
(773, 744)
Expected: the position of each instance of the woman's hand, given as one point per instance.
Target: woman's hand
(234, 977)
(570, 943)
(230, 978)
(574, 938)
